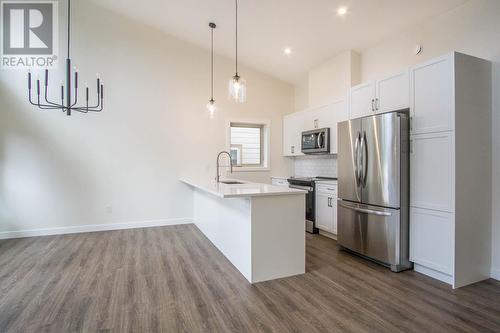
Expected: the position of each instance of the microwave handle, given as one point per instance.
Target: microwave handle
(320, 140)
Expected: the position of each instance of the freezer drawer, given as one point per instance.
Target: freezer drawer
(373, 232)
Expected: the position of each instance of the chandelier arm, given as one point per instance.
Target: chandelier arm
(79, 109)
(76, 97)
(49, 102)
(42, 106)
(46, 89)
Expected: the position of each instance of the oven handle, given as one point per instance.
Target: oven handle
(306, 188)
(365, 210)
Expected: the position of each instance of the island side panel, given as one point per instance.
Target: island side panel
(226, 223)
(278, 237)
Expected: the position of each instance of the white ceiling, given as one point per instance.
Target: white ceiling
(310, 27)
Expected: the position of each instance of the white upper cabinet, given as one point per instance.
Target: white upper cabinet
(433, 100)
(292, 129)
(362, 100)
(393, 92)
(387, 94)
(326, 116)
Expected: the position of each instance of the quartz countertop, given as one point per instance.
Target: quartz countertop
(245, 189)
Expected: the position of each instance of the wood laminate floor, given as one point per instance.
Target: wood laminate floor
(172, 279)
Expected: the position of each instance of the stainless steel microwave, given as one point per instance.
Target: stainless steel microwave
(316, 141)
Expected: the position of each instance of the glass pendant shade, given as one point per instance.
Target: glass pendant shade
(211, 107)
(238, 89)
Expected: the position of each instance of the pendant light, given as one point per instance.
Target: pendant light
(237, 85)
(211, 103)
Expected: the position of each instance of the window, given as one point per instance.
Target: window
(247, 145)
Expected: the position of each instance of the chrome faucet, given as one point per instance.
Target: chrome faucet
(230, 164)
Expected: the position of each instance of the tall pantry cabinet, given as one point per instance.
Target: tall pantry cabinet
(450, 166)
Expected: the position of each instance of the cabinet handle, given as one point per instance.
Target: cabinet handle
(373, 107)
(329, 202)
(315, 123)
(292, 149)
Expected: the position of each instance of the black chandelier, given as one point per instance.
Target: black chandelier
(67, 105)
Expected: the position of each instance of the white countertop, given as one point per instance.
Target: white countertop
(246, 189)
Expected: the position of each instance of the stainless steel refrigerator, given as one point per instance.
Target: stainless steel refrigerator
(373, 188)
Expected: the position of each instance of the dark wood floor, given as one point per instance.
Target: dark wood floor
(172, 279)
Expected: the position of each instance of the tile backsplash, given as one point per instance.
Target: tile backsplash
(315, 165)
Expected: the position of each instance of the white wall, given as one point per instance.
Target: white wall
(58, 171)
(301, 94)
(473, 28)
(328, 81)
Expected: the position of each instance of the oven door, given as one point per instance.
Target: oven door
(316, 141)
(310, 216)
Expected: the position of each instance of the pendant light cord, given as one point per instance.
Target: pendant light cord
(236, 37)
(212, 63)
(69, 24)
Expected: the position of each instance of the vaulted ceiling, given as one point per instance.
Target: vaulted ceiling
(311, 28)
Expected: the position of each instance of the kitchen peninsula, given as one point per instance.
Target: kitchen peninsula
(258, 227)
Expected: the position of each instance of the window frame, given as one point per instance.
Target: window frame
(265, 145)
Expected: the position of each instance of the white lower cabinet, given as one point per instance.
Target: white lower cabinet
(326, 208)
(432, 239)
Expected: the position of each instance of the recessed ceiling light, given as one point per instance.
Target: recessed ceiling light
(287, 51)
(341, 11)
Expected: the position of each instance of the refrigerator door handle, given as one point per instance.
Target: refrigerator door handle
(364, 159)
(356, 160)
(365, 210)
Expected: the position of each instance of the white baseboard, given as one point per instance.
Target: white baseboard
(495, 273)
(433, 274)
(92, 228)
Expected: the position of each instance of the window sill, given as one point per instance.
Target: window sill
(250, 169)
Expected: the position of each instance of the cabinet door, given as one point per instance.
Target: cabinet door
(311, 119)
(292, 131)
(334, 213)
(340, 112)
(393, 92)
(432, 171)
(432, 86)
(431, 239)
(362, 100)
(287, 135)
(324, 211)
